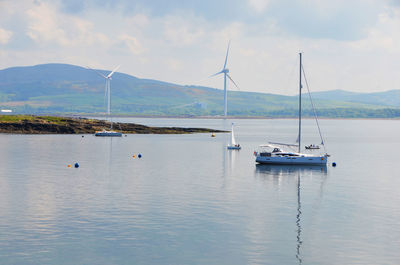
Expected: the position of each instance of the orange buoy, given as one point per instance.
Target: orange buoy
(133, 156)
(69, 165)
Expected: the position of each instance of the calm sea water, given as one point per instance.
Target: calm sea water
(188, 200)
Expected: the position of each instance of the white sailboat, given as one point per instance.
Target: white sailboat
(273, 154)
(233, 145)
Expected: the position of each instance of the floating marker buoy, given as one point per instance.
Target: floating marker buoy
(69, 165)
(83, 136)
(133, 156)
(126, 135)
(334, 164)
(139, 155)
(212, 135)
(76, 165)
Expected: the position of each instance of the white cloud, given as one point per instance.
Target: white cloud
(383, 36)
(43, 25)
(5, 36)
(132, 43)
(181, 32)
(259, 5)
(138, 21)
(47, 26)
(174, 64)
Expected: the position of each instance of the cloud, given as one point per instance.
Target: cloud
(46, 27)
(317, 19)
(338, 20)
(73, 6)
(43, 25)
(5, 36)
(181, 32)
(350, 45)
(174, 64)
(137, 21)
(210, 9)
(259, 5)
(381, 36)
(132, 43)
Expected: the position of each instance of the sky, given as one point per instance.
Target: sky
(352, 45)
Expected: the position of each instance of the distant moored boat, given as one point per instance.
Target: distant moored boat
(108, 133)
(233, 145)
(311, 147)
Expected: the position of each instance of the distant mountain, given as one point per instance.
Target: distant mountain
(387, 98)
(63, 88)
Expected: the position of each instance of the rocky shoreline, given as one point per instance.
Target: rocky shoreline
(27, 124)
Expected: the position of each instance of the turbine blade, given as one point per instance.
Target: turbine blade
(216, 74)
(97, 72)
(113, 71)
(230, 78)
(227, 51)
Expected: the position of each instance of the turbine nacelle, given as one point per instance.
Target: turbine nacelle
(108, 76)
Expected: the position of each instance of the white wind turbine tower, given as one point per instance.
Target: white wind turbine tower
(108, 93)
(225, 71)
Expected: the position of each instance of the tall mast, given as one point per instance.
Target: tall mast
(300, 86)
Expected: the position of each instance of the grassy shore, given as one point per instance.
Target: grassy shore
(30, 124)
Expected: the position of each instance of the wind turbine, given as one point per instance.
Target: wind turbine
(107, 89)
(225, 71)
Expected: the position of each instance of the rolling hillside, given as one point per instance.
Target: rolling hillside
(62, 88)
(388, 98)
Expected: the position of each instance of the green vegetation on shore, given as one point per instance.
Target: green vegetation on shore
(29, 124)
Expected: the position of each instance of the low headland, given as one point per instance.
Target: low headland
(30, 124)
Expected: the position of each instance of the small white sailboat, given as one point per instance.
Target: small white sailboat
(233, 145)
(272, 153)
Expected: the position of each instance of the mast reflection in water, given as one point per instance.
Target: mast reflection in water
(278, 173)
(299, 242)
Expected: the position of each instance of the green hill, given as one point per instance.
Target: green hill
(389, 98)
(63, 88)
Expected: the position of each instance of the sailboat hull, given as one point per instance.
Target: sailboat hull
(108, 134)
(278, 160)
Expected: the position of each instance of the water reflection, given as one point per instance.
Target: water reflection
(280, 172)
(107, 143)
(286, 170)
(110, 153)
(299, 242)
